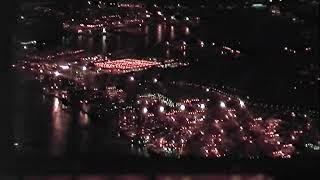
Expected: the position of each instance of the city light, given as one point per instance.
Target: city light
(222, 104)
(161, 109)
(64, 67)
(56, 73)
(182, 107)
(144, 110)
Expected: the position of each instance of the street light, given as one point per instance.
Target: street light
(182, 107)
(161, 108)
(144, 110)
(222, 104)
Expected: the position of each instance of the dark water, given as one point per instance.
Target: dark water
(43, 127)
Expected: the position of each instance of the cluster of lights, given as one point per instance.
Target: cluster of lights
(293, 51)
(126, 65)
(172, 127)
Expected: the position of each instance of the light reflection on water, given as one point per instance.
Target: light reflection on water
(172, 34)
(167, 53)
(104, 46)
(60, 125)
(83, 119)
(90, 43)
(79, 41)
(159, 33)
(187, 31)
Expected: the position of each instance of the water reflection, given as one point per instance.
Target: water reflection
(118, 41)
(79, 41)
(167, 53)
(146, 37)
(172, 34)
(60, 123)
(146, 29)
(90, 43)
(186, 31)
(104, 46)
(83, 119)
(159, 33)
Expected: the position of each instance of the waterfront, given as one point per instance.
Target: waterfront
(235, 58)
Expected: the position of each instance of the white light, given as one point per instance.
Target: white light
(64, 67)
(159, 13)
(24, 47)
(56, 73)
(187, 18)
(286, 48)
(89, 2)
(213, 44)
(222, 104)
(16, 144)
(131, 78)
(242, 103)
(270, 0)
(22, 17)
(84, 68)
(202, 106)
(161, 108)
(207, 89)
(144, 110)
(182, 107)
(155, 80)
